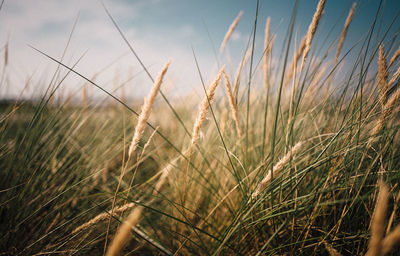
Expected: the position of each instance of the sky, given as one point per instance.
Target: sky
(158, 30)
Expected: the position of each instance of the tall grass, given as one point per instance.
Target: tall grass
(300, 172)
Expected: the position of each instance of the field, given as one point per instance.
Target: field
(298, 156)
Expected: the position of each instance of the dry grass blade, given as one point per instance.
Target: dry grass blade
(55, 220)
(232, 104)
(391, 240)
(279, 166)
(230, 32)
(124, 231)
(396, 202)
(205, 105)
(103, 216)
(141, 156)
(344, 31)
(146, 110)
(311, 31)
(378, 222)
(143, 117)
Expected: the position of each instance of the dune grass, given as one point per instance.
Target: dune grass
(295, 166)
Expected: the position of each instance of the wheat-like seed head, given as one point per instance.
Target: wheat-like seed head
(205, 105)
(103, 216)
(377, 128)
(344, 32)
(311, 31)
(382, 76)
(392, 101)
(394, 57)
(279, 166)
(392, 215)
(386, 111)
(124, 231)
(230, 31)
(146, 110)
(383, 95)
(232, 104)
(395, 76)
(378, 222)
(391, 240)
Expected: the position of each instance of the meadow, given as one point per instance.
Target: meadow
(292, 157)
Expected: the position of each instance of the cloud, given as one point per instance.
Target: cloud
(47, 25)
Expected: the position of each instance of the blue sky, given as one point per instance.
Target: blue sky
(160, 30)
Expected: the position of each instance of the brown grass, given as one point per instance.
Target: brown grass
(344, 31)
(391, 240)
(311, 31)
(205, 105)
(103, 216)
(230, 31)
(139, 129)
(392, 102)
(124, 231)
(232, 103)
(141, 156)
(378, 222)
(395, 76)
(383, 94)
(279, 166)
(146, 110)
(394, 57)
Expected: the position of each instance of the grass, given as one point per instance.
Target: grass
(291, 161)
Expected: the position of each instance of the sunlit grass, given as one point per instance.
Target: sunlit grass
(286, 159)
